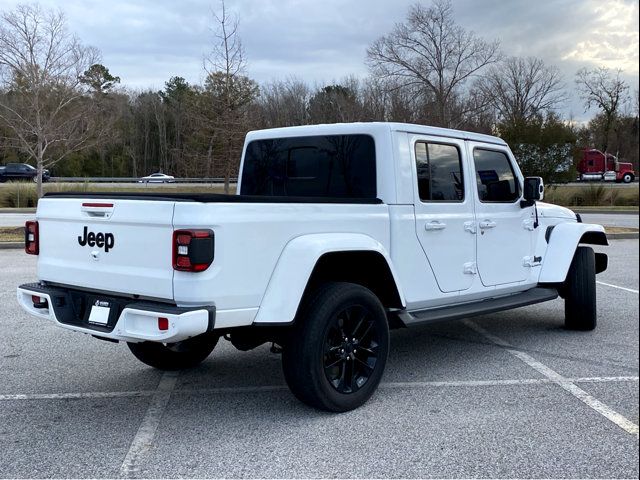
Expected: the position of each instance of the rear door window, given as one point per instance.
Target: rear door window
(439, 169)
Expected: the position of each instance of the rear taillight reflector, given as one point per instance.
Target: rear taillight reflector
(163, 323)
(31, 238)
(193, 250)
(39, 302)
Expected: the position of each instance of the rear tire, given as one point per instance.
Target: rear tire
(580, 312)
(336, 354)
(175, 356)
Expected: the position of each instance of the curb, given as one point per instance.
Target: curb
(11, 245)
(623, 236)
(606, 212)
(17, 210)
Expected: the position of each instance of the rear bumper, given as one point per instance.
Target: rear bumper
(128, 320)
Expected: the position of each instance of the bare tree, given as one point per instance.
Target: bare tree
(375, 98)
(43, 106)
(229, 89)
(519, 89)
(431, 52)
(284, 103)
(605, 90)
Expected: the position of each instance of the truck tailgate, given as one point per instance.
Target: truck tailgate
(119, 245)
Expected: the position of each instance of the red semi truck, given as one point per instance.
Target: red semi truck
(595, 165)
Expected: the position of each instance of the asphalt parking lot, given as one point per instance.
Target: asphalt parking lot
(504, 395)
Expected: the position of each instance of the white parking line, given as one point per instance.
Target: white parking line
(277, 388)
(146, 432)
(71, 396)
(604, 410)
(498, 383)
(616, 286)
(602, 379)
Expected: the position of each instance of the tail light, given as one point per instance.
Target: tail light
(31, 238)
(192, 250)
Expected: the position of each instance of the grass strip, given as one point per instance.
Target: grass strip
(11, 234)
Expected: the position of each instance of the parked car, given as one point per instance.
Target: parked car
(338, 234)
(21, 171)
(157, 178)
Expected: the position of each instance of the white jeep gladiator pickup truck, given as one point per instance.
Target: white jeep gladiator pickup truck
(338, 233)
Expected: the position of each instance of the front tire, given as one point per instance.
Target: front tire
(174, 356)
(336, 354)
(627, 178)
(580, 312)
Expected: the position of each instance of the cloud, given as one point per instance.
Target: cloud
(146, 42)
(612, 41)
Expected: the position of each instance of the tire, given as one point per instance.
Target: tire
(324, 370)
(627, 178)
(580, 311)
(174, 356)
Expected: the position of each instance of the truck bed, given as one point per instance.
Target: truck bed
(213, 198)
(251, 233)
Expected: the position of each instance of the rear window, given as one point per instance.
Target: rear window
(340, 166)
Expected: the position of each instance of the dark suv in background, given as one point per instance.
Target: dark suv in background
(21, 171)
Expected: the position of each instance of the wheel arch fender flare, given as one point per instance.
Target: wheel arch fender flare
(296, 264)
(563, 242)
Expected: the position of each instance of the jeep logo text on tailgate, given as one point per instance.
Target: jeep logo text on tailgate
(106, 240)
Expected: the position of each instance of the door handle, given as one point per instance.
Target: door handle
(470, 227)
(435, 225)
(487, 224)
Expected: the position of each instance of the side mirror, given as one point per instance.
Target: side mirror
(533, 191)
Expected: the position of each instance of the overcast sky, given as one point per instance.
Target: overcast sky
(145, 42)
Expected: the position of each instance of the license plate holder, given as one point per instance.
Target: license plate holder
(100, 312)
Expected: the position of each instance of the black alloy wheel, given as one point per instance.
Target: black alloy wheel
(351, 349)
(336, 352)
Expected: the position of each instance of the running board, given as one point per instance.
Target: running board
(482, 307)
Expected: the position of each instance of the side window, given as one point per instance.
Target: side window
(495, 177)
(439, 170)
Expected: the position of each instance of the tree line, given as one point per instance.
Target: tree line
(61, 108)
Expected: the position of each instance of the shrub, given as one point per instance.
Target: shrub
(594, 195)
(18, 195)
